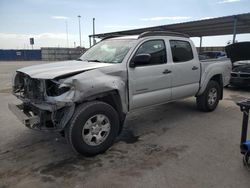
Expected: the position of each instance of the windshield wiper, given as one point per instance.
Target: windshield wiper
(79, 59)
(93, 60)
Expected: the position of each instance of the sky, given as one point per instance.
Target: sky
(47, 20)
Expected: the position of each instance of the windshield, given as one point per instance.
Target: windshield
(108, 51)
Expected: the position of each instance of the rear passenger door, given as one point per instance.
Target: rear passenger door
(186, 70)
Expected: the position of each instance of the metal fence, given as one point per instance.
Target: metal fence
(212, 48)
(59, 54)
(20, 55)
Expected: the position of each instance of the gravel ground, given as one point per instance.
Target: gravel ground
(172, 145)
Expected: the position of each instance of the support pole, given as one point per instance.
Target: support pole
(234, 29)
(244, 125)
(80, 34)
(67, 33)
(94, 31)
(200, 45)
(90, 41)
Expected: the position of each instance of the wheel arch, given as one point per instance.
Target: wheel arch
(216, 77)
(112, 98)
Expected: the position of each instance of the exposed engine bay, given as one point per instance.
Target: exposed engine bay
(35, 94)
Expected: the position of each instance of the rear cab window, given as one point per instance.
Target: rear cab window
(181, 51)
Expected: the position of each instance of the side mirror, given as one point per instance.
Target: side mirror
(140, 59)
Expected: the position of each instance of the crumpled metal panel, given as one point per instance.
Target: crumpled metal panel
(94, 82)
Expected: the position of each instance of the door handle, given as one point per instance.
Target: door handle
(166, 71)
(195, 68)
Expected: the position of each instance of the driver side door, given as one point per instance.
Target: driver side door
(150, 83)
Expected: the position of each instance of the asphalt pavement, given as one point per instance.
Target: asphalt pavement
(171, 145)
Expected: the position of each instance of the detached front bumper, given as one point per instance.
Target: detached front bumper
(36, 118)
(27, 119)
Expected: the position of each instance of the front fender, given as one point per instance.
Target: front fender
(96, 82)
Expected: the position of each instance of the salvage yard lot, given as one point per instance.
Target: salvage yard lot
(171, 145)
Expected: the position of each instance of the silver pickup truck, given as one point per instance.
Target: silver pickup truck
(87, 100)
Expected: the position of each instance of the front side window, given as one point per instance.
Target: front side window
(181, 51)
(157, 50)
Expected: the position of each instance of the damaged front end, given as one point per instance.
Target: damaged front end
(42, 107)
(49, 98)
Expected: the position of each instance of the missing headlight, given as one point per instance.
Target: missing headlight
(53, 88)
(18, 82)
(26, 87)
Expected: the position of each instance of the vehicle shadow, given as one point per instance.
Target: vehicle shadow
(160, 118)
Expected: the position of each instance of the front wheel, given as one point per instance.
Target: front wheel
(209, 100)
(93, 128)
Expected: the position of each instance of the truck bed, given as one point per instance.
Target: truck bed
(223, 64)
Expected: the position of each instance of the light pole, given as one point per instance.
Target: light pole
(67, 33)
(80, 37)
(94, 31)
(65, 19)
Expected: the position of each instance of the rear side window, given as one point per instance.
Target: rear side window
(181, 51)
(157, 50)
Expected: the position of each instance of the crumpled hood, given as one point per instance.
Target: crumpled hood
(53, 70)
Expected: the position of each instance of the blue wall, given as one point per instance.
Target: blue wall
(20, 55)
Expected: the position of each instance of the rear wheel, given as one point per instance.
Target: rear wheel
(93, 128)
(209, 100)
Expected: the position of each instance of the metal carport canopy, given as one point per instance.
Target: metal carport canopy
(235, 24)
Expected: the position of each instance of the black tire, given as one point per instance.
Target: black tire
(203, 99)
(81, 116)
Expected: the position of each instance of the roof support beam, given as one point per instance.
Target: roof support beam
(234, 29)
(89, 41)
(200, 44)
